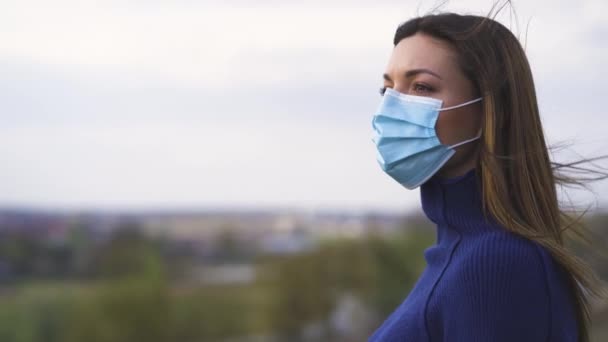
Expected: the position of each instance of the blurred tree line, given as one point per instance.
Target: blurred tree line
(132, 288)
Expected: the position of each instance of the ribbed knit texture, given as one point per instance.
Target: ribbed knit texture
(481, 282)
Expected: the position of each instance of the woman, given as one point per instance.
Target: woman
(459, 118)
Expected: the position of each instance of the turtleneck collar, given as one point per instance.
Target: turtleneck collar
(455, 203)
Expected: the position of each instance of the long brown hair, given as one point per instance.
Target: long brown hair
(518, 177)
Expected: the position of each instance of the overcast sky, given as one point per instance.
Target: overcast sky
(225, 104)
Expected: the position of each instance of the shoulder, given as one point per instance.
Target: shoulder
(503, 252)
(502, 263)
(498, 289)
(503, 269)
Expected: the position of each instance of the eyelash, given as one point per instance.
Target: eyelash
(428, 89)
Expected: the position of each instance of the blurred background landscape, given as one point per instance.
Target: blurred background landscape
(215, 276)
(203, 170)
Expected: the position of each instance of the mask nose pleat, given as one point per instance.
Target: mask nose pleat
(416, 113)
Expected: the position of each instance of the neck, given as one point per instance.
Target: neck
(455, 203)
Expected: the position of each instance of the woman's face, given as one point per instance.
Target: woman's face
(424, 66)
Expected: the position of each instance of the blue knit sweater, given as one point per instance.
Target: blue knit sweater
(481, 283)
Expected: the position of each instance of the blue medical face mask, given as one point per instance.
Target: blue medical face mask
(407, 145)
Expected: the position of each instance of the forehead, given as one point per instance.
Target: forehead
(422, 51)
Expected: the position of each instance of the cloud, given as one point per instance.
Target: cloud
(211, 45)
(189, 103)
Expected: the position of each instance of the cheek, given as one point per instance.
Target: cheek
(448, 127)
(456, 125)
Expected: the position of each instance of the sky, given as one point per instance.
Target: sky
(245, 104)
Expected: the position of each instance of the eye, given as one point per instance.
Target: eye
(381, 90)
(422, 88)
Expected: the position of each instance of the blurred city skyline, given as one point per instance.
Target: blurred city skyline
(172, 104)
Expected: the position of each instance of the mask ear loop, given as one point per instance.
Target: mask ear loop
(462, 104)
(468, 140)
(458, 106)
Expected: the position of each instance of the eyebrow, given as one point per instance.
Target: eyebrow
(413, 72)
